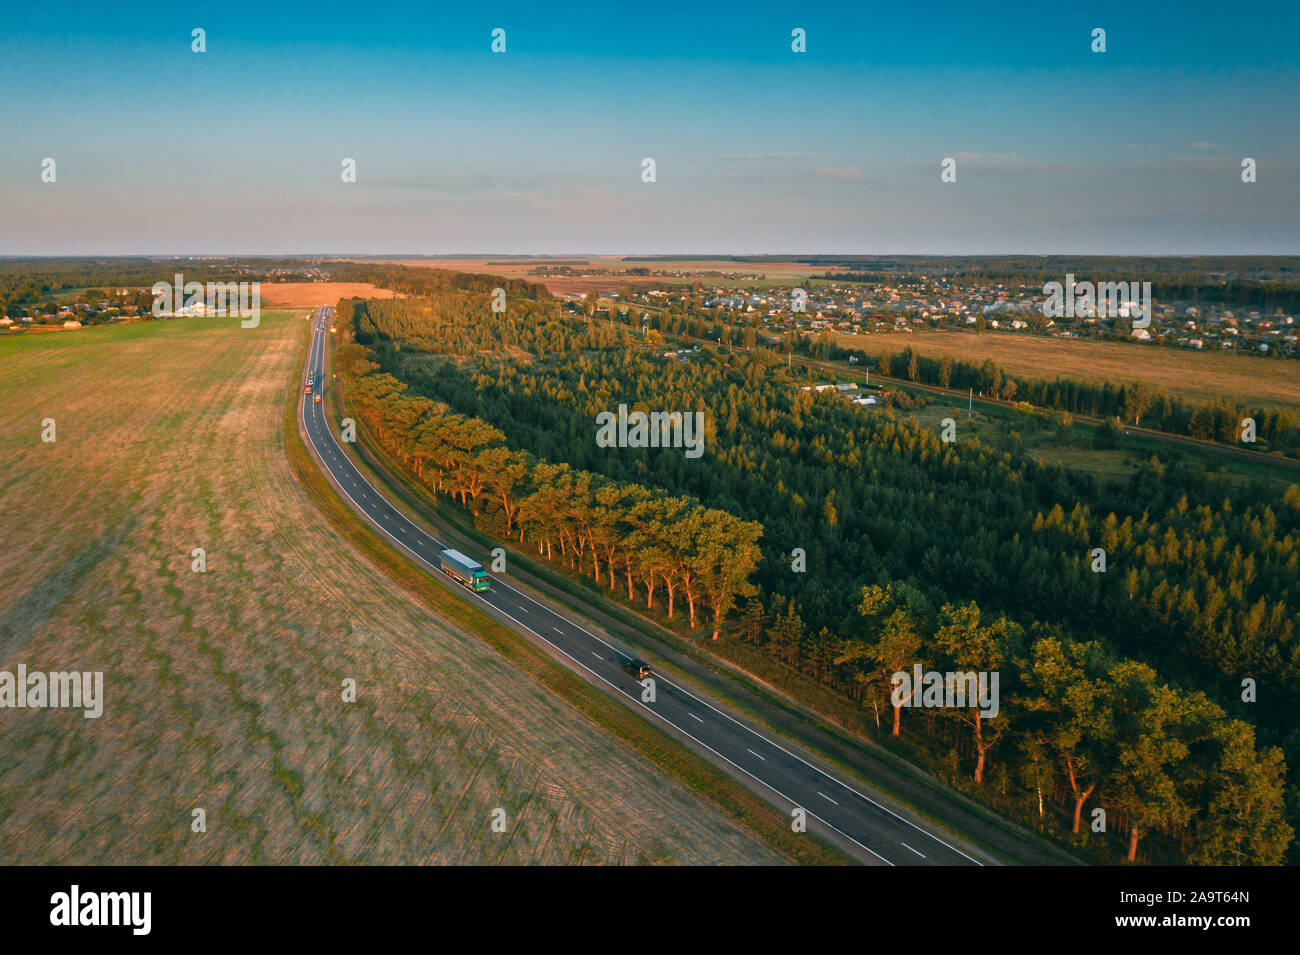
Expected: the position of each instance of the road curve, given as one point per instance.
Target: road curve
(874, 833)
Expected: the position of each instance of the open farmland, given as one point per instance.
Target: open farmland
(1202, 376)
(585, 278)
(316, 294)
(222, 689)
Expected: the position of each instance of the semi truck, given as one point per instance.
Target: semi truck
(468, 572)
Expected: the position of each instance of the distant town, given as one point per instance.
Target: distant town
(852, 309)
(906, 304)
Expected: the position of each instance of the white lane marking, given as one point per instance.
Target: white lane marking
(753, 732)
(558, 630)
(596, 655)
(764, 758)
(906, 846)
(637, 701)
(694, 717)
(828, 798)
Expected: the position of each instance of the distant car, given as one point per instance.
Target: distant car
(638, 668)
(309, 388)
(318, 399)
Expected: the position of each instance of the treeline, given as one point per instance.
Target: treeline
(33, 277)
(1262, 296)
(27, 281)
(1036, 269)
(416, 281)
(1277, 428)
(893, 279)
(667, 551)
(1201, 584)
(447, 325)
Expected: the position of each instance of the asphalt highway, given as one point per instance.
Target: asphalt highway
(870, 830)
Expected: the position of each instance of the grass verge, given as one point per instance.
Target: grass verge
(776, 698)
(746, 808)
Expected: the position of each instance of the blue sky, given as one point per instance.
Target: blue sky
(758, 149)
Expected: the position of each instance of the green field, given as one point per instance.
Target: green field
(223, 689)
(1010, 430)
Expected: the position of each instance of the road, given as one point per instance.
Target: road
(873, 832)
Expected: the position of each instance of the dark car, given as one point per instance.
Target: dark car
(638, 668)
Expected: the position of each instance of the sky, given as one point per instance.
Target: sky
(757, 149)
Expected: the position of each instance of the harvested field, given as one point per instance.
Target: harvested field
(1200, 376)
(313, 294)
(223, 689)
(786, 273)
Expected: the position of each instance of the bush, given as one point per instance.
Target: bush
(1109, 434)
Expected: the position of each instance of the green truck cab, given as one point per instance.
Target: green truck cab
(467, 572)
